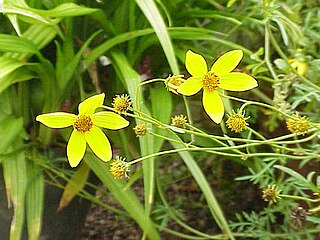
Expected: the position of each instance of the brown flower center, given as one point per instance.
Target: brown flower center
(83, 124)
(211, 81)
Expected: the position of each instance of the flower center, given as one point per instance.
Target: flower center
(211, 81)
(83, 124)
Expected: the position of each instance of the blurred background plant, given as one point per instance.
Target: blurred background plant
(56, 53)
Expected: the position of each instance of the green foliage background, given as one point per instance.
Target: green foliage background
(55, 53)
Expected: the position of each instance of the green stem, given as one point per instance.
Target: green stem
(299, 198)
(218, 152)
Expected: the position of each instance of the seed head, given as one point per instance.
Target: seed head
(298, 217)
(298, 124)
(121, 103)
(271, 194)
(140, 130)
(119, 168)
(179, 121)
(237, 122)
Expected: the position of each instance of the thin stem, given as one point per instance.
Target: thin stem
(299, 198)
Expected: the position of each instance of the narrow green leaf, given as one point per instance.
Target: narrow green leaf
(15, 23)
(282, 31)
(74, 185)
(130, 79)
(34, 200)
(230, 3)
(14, 171)
(183, 33)
(10, 127)
(67, 70)
(291, 172)
(203, 184)
(153, 15)
(161, 105)
(301, 179)
(126, 198)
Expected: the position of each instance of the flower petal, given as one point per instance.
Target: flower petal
(191, 86)
(196, 64)
(76, 148)
(89, 105)
(213, 105)
(57, 119)
(109, 120)
(236, 81)
(99, 143)
(227, 62)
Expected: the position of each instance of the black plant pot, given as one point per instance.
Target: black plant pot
(65, 224)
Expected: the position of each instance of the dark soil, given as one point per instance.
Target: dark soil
(182, 193)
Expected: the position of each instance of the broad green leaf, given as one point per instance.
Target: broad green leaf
(33, 15)
(65, 10)
(39, 35)
(25, 13)
(19, 75)
(9, 43)
(8, 65)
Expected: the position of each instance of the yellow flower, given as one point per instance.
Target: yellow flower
(299, 65)
(173, 83)
(86, 128)
(219, 76)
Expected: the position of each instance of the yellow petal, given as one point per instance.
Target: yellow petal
(213, 105)
(196, 64)
(76, 148)
(236, 81)
(109, 120)
(57, 119)
(191, 86)
(99, 143)
(89, 105)
(227, 62)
